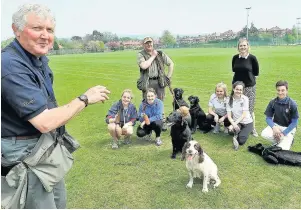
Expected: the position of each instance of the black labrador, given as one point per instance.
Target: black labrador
(178, 99)
(276, 155)
(179, 132)
(198, 116)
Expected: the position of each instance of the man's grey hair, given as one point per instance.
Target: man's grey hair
(20, 17)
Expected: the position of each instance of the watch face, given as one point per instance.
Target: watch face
(83, 97)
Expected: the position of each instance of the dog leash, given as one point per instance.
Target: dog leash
(117, 120)
(173, 95)
(161, 68)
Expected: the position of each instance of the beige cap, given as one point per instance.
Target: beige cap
(147, 39)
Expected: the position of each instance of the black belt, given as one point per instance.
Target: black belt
(154, 78)
(22, 137)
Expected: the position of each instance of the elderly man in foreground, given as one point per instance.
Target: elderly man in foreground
(34, 145)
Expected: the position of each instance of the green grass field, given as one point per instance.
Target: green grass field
(142, 175)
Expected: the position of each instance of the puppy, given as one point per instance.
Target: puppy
(199, 164)
(198, 116)
(178, 99)
(179, 132)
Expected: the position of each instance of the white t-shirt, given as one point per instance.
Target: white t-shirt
(219, 106)
(240, 105)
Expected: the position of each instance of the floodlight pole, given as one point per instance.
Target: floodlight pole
(248, 8)
(297, 27)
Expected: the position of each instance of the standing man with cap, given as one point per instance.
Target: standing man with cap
(152, 74)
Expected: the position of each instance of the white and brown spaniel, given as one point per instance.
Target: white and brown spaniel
(199, 165)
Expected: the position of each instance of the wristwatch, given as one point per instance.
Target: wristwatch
(84, 98)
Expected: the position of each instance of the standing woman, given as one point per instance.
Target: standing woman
(217, 108)
(121, 118)
(245, 67)
(239, 115)
(150, 116)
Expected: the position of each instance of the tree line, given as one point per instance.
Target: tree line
(96, 41)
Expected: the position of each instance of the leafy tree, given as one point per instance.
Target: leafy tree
(93, 46)
(243, 33)
(294, 31)
(121, 46)
(77, 38)
(101, 45)
(109, 37)
(253, 32)
(87, 38)
(266, 37)
(97, 36)
(167, 39)
(289, 38)
(113, 45)
(6, 42)
(115, 38)
(124, 39)
(67, 43)
(56, 45)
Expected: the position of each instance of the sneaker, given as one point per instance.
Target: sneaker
(226, 130)
(114, 145)
(127, 140)
(148, 137)
(158, 142)
(216, 128)
(235, 142)
(254, 133)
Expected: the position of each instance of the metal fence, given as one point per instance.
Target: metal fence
(221, 44)
(66, 51)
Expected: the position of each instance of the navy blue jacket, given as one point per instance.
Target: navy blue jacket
(282, 111)
(126, 115)
(26, 90)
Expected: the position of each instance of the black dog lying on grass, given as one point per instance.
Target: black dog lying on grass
(276, 155)
(178, 100)
(180, 132)
(198, 116)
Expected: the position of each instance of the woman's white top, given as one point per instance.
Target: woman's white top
(218, 106)
(239, 106)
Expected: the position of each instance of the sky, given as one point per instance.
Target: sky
(138, 17)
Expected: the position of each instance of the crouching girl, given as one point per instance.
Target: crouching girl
(121, 118)
(150, 116)
(239, 115)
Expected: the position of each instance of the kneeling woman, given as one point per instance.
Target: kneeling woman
(239, 115)
(121, 118)
(150, 116)
(217, 108)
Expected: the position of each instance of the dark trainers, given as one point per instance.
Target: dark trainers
(235, 142)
